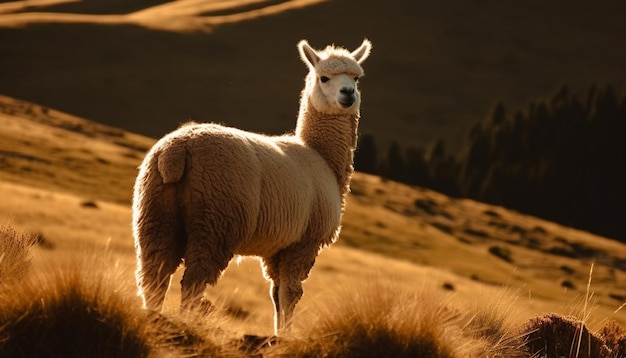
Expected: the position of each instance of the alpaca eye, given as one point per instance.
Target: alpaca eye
(324, 79)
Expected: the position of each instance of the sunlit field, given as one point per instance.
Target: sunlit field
(414, 273)
(81, 292)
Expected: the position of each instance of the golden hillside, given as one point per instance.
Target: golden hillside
(70, 180)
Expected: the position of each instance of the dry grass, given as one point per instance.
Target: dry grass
(615, 338)
(14, 253)
(68, 308)
(99, 162)
(386, 319)
(553, 335)
(549, 261)
(379, 321)
(70, 313)
(85, 304)
(414, 272)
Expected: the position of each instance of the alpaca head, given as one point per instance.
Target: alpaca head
(331, 86)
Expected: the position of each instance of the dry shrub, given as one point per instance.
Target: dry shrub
(71, 314)
(88, 307)
(14, 253)
(555, 336)
(379, 322)
(193, 336)
(615, 337)
(491, 326)
(386, 320)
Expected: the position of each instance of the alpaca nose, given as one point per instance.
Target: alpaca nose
(347, 90)
(347, 97)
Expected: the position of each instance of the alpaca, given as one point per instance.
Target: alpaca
(205, 192)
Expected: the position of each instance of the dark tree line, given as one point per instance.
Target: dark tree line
(430, 167)
(561, 159)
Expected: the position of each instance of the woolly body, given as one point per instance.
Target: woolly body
(247, 179)
(206, 192)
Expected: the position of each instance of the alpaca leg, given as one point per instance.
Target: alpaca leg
(155, 280)
(159, 242)
(294, 266)
(289, 293)
(275, 294)
(271, 272)
(192, 288)
(217, 221)
(205, 260)
(195, 279)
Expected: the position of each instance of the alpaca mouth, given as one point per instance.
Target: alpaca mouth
(346, 100)
(346, 104)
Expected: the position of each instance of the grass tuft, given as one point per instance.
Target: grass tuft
(491, 326)
(615, 337)
(553, 335)
(386, 320)
(14, 253)
(71, 313)
(87, 307)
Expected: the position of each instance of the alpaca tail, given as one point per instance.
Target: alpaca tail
(171, 164)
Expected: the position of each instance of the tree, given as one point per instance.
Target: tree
(417, 172)
(443, 169)
(499, 115)
(560, 159)
(396, 164)
(366, 155)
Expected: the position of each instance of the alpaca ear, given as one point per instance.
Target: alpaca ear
(363, 52)
(308, 54)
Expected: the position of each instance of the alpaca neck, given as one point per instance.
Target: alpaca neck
(334, 137)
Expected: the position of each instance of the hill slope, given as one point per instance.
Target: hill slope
(437, 67)
(56, 155)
